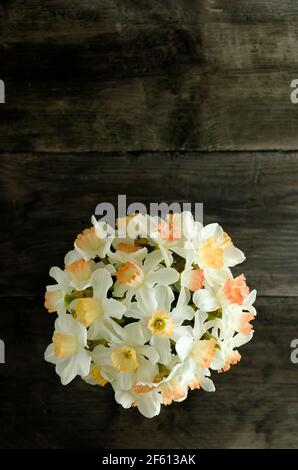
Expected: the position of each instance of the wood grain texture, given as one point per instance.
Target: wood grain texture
(179, 100)
(126, 76)
(48, 199)
(255, 404)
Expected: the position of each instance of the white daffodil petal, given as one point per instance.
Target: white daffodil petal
(149, 404)
(251, 298)
(147, 370)
(67, 370)
(164, 297)
(164, 276)
(180, 314)
(200, 318)
(146, 299)
(124, 380)
(212, 231)
(60, 277)
(207, 385)
(218, 360)
(233, 256)
(64, 324)
(187, 224)
(152, 260)
(240, 339)
(83, 361)
(102, 355)
(124, 398)
(119, 290)
(133, 310)
(71, 257)
(184, 346)
(163, 347)
(135, 334)
(101, 281)
(95, 331)
(182, 331)
(113, 308)
(49, 354)
(111, 330)
(205, 300)
(167, 256)
(150, 353)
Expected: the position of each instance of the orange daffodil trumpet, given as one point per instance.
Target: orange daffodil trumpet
(153, 312)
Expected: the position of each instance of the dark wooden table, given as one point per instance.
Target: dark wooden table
(184, 100)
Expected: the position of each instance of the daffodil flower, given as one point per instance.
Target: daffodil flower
(131, 359)
(238, 319)
(166, 234)
(227, 353)
(94, 241)
(212, 250)
(132, 276)
(153, 307)
(68, 349)
(127, 251)
(222, 295)
(145, 398)
(55, 294)
(96, 311)
(233, 299)
(200, 350)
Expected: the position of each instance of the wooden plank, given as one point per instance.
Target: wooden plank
(213, 76)
(194, 110)
(255, 405)
(47, 199)
(21, 19)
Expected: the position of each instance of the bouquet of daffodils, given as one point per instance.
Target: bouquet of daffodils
(151, 307)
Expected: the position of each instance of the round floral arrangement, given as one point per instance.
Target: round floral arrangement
(150, 307)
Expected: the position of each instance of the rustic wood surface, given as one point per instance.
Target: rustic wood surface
(177, 74)
(179, 100)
